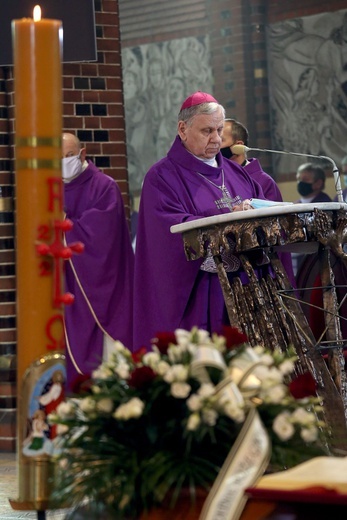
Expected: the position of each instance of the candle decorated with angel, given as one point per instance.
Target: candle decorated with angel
(37, 47)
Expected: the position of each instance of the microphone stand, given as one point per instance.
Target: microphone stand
(336, 172)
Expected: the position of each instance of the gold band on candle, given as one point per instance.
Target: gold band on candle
(38, 164)
(6, 204)
(34, 141)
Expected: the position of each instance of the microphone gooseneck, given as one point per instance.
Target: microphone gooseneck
(239, 149)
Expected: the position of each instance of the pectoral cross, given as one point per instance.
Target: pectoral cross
(226, 201)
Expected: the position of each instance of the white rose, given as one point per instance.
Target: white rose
(52, 417)
(180, 390)
(206, 390)
(116, 349)
(176, 373)
(62, 428)
(309, 434)
(209, 416)
(302, 416)
(194, 403)
(65, 410)
(182, 337)
(274, 394)
(175, 353)
(203, 336)
(103, 372)
(234, 412)
(261, 372)
(286, 367)
(63, 463)
(151, 359)
(87, 404)
(193, 422)
(180, 372)
(273, 378)
(283, 427)
(122, 369)
(219, 342)
(119, 347)
(105, 405)
(266, 359)
(162, 368)
(130, 410)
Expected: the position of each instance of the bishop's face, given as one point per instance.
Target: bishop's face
(202, 135)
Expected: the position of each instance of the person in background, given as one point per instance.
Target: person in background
(192, 181)
(101, 277)
(235, 132)
(311, 183)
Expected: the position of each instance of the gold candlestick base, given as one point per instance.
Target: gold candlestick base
(35, 485)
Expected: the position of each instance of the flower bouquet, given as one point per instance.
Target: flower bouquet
(149, 424)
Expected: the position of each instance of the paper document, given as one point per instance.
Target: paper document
(330, 472)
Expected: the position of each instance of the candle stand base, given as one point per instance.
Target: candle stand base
(35, 484)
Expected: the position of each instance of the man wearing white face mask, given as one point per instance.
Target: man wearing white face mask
(101, 277)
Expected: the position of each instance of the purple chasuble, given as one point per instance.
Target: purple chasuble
(270, 189)
(169, 291)
(94, 204)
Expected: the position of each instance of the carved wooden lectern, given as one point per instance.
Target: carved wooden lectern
(266, 308)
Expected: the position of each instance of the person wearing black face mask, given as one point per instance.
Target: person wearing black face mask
(310, 184)
(311, 181)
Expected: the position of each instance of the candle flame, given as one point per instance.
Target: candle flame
(37, 13)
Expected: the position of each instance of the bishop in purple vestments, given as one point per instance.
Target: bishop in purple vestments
(192, 181)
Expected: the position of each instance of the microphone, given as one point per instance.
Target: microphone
(239, 149)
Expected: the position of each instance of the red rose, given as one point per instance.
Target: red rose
(141, 376)
(138, 355)
(163, 340)
(81, 384)
(234, 337)
(303, 386)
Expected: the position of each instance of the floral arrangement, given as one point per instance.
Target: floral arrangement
(148, 424)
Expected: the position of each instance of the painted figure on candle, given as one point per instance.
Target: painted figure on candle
(45, 396)
(53, 397)
(100, 278)
(37, 441)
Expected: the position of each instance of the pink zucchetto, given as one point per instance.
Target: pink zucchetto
(197, 99)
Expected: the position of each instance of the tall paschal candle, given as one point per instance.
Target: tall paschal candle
(37, 48)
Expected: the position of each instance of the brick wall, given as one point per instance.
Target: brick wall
(279, 10)
(93, 98)
(92, 108)
(7, 273)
